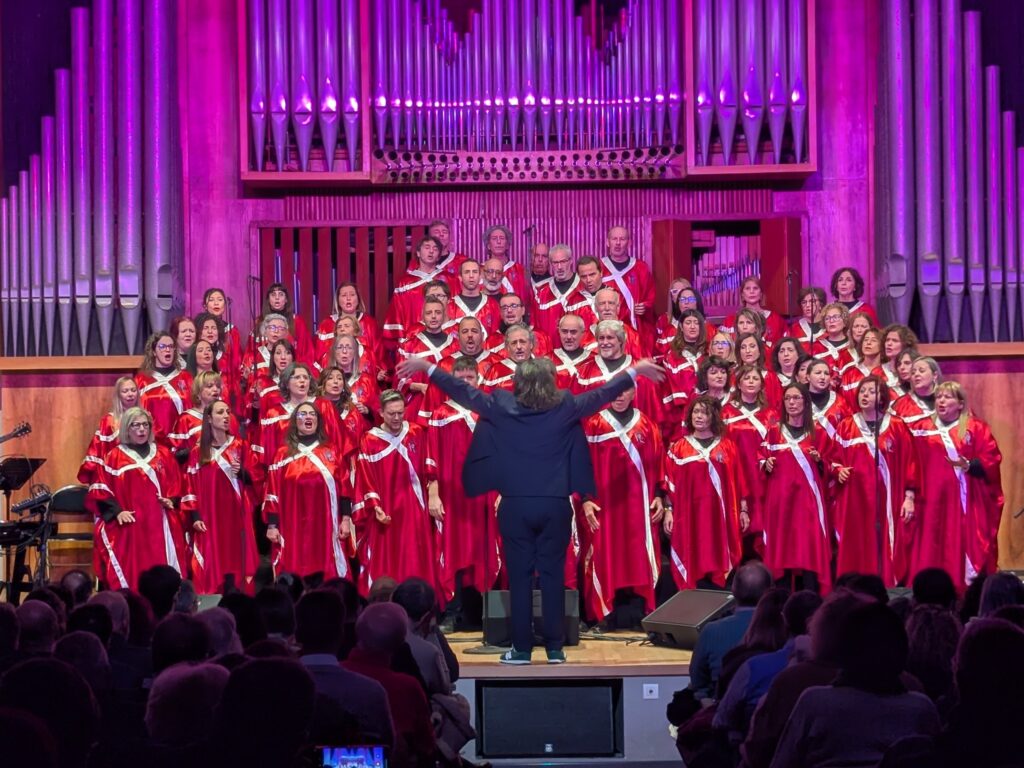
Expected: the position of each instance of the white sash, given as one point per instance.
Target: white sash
(616, 276)
(164, 382)
(793, 446)
(821, 416)
(750, 416)
(867, 438)
(142, 463)
(395, 444)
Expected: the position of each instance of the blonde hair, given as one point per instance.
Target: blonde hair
(842, 309)
(133, 413)
(118, 410)
(201, 380)
(953, 388)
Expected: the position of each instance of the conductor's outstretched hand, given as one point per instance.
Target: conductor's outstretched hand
(411, 366)
(649, 370)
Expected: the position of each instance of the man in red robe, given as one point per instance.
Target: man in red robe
(407, 299)
(449, 261)
(610, 359)
(397, 538)
(631, 278)
(571, 354)
(470, 301)
(580, 300)
(608, 306)
(469, 532)
(619, 525)
(470, 341)
(519, 346)
(552, 295)
(497, 243)
(432, 343)
(513, 312)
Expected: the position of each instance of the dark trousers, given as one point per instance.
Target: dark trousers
(535, 535)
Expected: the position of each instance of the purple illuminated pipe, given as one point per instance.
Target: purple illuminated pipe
(569, 76)
(1010, 224)
(582, 50)
(327, 79)
(80, 177)
(65, 258)
(927, 159)
(544, 67)
(394, 32)
(475, 123)
(705, 91)
(529, 76)
(636, 49)
(5, 278)
(277, 19)
(47, 136)
(658, 69)
(974, 132)
(25, 262)
(408, 73)
(35, 215)
(351, 81)
(726, 90)
(482, 34)
(303, 78)
(673, 69)
(994, 200)
(103, 168)
(418, 62)
(798, 74)
(511, 42)
(258, 98)
(558, 68)
(161, 197)
(129, 170)
(648, 33)
(778, 76)
(952, 108)
(498, 73)
(14, 248)
(1020, 212)
(431, 86)
(463, 115)
(380, 70)
(752, 73)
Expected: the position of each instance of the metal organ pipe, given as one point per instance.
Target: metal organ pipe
(80, 177)
(994, 204)
(303, 77)
(327, 78)
(258, 97)
(974, 155)
(103, 168)
(952, 155)
(751, 42)
(35, 215)
(129, 169)
(277, 20)
(1010, 253)
(65, 251)
(48, 139)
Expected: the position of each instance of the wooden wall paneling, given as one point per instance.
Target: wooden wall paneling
(305, 274)
(671, 256)
(379, 269)
(287, 261)
(400, 253)
(362, 273)
(342, 255)
(781, 264)
(324, 273)
(268, 261)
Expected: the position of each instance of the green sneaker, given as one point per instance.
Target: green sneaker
(556, 657)
(515, 657)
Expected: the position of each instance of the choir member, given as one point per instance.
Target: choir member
(295, 385)
(808, 329)
(833, 346)
(868, 362)
(512, 308)
(183, 330)
(126, 395)
(519, 346)
(206, 389)
(308, 506)
(164, 389)
(611, 358)
(266, 390)
(827, 407)
(449, 261)
(721, 345)
(215, 302)
(895, 339)
(133, 497)
(470, 339)
(347, 301)
(632, 279)
(256, 361)
(497, 242)
(713, 379)
(682, 362)
(540, 267)
(361, 384)
(368, 361)
(494, 283)
(686, 299)
(751, 351)
(407, 299)
(471, 301)
(787, 358)
(961, 501)
(355, 418)
(581, 301)
(803, 369)
(919, 403)
(752, 297)
(551, 297)
(875, 465)
(397, 538)
(277, 301)
(847, 287)
(436, 290)
(904, 368)
(469, 554)
(747, 416)
(220, 497)
(570, 354)
(792, 458)
(608, 306)
(748, 322)
(707, 491)
(432, 343)
(620, 523)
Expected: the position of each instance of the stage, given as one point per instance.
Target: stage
(604, 706)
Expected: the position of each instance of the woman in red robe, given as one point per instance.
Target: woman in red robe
(308, 506)
(834, 345)
(961, 498)
(868, 363)
(126, 395)
(265, 392)
(808, 329)
(164, 389)
(133, 498)
(348, 301)
(750, 350)
(847, 288)
(215, 302)
(682, 359)
(798, 537)
(348, 356)
(220, 496)
(786, 359)
(875, 501)
(751, 297)
(709, 506)
(278, 301)
(206, 389)
(896, 339)
(919, 403)
(296, 383)
(332, 387)
(619, 525)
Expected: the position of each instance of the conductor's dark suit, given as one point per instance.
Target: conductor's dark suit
(535, 460)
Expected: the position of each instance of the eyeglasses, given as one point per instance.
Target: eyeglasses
(688, 299)
(556, 262)
(832, 318)
(139, 425)
(276, 327)
(164, 347)
(517, 305)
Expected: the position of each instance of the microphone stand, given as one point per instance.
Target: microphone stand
(879, 515)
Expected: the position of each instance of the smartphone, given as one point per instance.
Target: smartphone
(351, 757)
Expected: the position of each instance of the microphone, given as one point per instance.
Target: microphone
(36, 501)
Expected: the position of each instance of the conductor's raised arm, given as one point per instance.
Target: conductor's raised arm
(462, 393)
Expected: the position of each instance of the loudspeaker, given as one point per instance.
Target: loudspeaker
(498, 627)
(679, 620)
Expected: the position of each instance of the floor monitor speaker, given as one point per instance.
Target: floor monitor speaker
(679, 620)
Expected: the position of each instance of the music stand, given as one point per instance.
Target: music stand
(15, 471)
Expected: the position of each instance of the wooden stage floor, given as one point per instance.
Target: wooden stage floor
(611, 656)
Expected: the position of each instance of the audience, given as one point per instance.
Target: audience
(180, 637)
(417, 599)
(933, 634)
(1000, 589)
(933, 586)
(278, 612)
(85, 652)
(160, 585)
(182, 708)
(79, 586)
(221, 626)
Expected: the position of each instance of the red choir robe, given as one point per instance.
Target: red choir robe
(265, 394)
(230, 357)
(836, 355)
(634, 345)
(469, 533)
(624, 552)
(567, 368)
(831, 413)
(858, 499)
(391, 474)
(421, 346)
(367, 360)
(364, 389)
(498, 375)
(369, 336)
(188, 427)
(495, 344)
(850, 378)
(666, 329)
(304, 493)
(515, 281)
(679, 388)
(705, 486)
(958, 512)
(405, 309)
(634, 281)
(255, 365)
(434, 398)
(798, 535)
(748, 430)
(581, 303)
(774, 326)
(103, 440)
(807, 335)
(165, 397)
(487, 312)
(890, 377)
(912, 409)
(867, 309)
(274, 429)
(300, 338)
(648, 394)
(225, 503)
(136, 483)
(550, 306)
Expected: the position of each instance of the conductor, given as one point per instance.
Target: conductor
(529, 446)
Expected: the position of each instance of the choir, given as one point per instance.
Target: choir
(806, 444)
